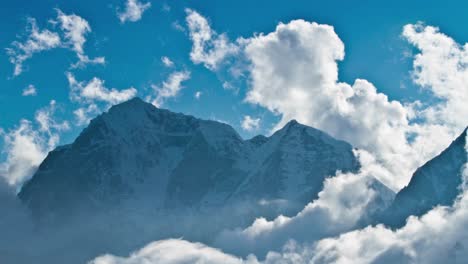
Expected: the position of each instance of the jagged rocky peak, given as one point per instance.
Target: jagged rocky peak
(138, 152)
(293, 163)
(435, 183)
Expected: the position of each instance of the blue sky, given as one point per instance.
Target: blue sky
(371, 32)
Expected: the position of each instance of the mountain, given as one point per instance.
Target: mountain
(435, 183)
(162, 160)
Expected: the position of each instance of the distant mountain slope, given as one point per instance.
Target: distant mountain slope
(161, 159)
(435, 183)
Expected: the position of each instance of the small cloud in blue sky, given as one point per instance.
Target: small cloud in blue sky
(133, 11)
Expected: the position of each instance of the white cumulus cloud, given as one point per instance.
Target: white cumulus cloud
(95, 90)
(94, 97)
(293, 72)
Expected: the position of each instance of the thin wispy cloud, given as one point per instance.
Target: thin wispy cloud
(133, 11)
(71, 35)
(37, 40)
(167, 62)
(30, 90)
(169, 88)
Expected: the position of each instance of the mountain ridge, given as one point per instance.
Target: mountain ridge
(136, 150)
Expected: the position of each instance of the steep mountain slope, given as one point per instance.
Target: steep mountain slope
(159, 159)
(293, 162)
(435, 183)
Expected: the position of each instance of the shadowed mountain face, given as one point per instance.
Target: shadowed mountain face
(159, 159)
(435, 183)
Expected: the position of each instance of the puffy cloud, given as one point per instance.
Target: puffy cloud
(95, 90)
(198, 94)
(28, 144)
(208, 47)
(24, 148)
(167, 62)
(441, 67)
(339, 208)
(29, 91)
(93, 97)
(172, 251)
(75, 29)
(37, 41)
(169, 88)
(293, 72)
(250, 124)
(133, 11)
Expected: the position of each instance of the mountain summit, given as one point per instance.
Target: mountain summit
(137, 152)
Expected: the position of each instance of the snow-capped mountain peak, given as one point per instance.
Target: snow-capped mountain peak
(138, 152)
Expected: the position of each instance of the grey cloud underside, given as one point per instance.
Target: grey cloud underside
(137, 152)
